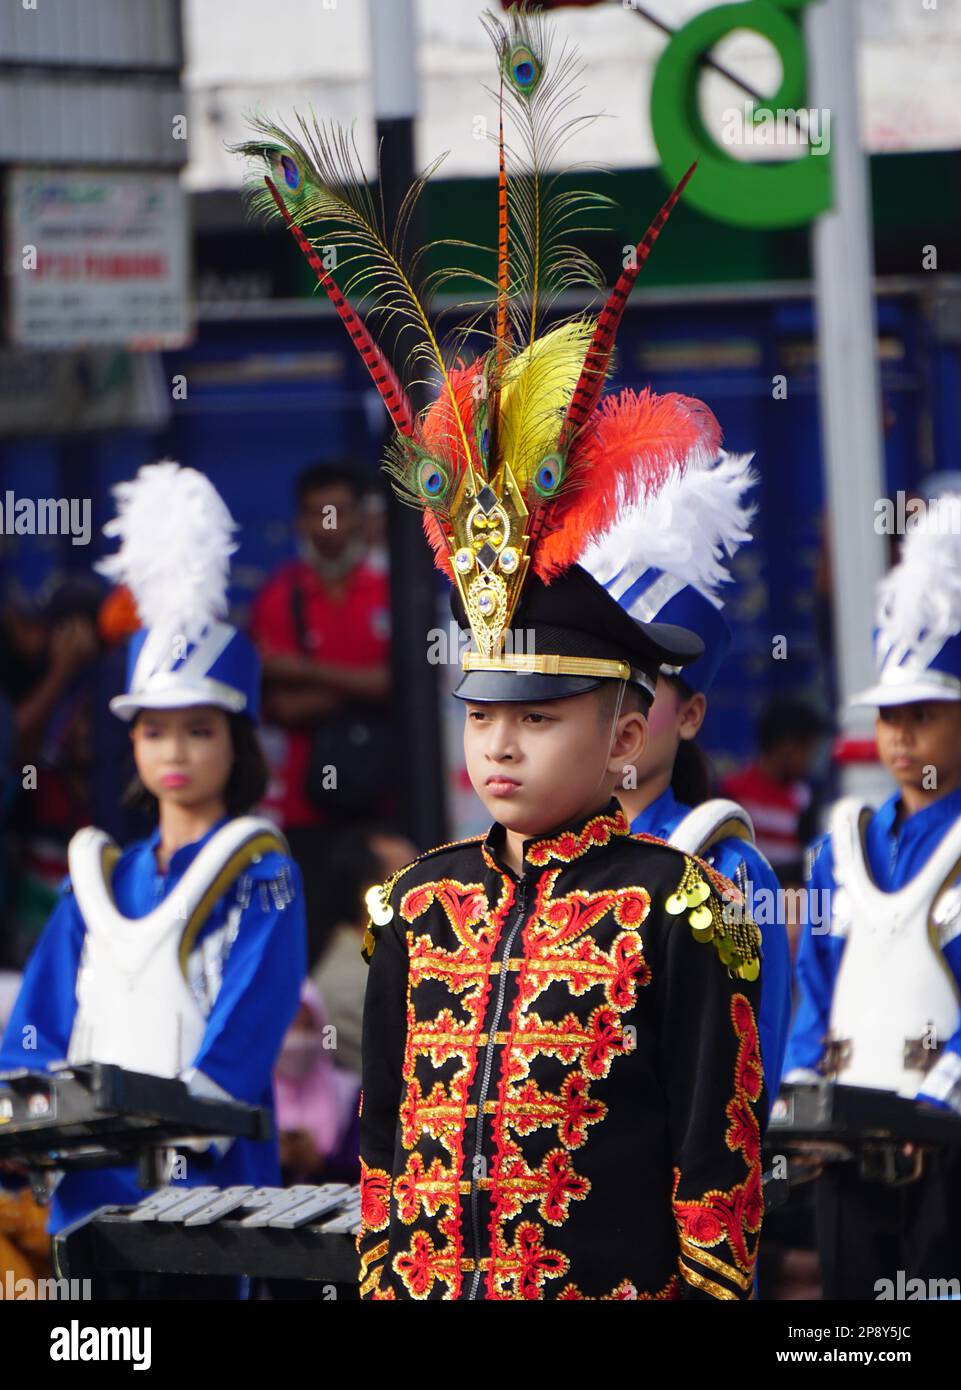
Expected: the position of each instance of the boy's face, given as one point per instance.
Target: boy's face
(920, 743)
(183, 755)
(540, 766)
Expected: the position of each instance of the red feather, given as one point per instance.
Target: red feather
(503, 282)
(441, 437)
(594, 372)
(627, 448)
(439, 431)
(383, 374)
(437, 541)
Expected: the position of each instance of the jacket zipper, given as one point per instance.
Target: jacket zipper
(485, 1081)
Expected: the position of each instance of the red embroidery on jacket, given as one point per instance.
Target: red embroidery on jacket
(555, 950)
(731, 1216)
(422, 1264)
(374, 1197)
(441, 1113)
(527, 1263)
(527, 1108)
(625, 1292)
(570, 844)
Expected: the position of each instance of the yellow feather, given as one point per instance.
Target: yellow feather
(538, 384)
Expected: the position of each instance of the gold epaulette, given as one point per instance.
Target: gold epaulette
(379, 910)
(377, 899)
(736, 939)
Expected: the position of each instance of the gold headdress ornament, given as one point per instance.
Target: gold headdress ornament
(518, 463)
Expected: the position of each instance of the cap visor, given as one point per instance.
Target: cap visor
(521, 687)
(126, 706)
(675, 646)
(912, 692)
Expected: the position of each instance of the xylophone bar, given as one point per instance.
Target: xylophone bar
(270, 1233)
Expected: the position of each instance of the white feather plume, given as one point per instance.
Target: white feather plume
(693, 523)
(919, 601)
(175, 545)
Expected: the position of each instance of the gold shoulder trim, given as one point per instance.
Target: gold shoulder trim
(736, 939)
(700, 1281)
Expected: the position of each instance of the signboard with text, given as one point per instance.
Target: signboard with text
(98, 258)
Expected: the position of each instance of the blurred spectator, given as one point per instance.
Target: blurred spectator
(316, 1103)
(775, 789)
(48, 654)
(42, 650)
(322, 624)
(357, 860)
(317, 1122)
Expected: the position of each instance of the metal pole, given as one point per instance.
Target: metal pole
(413, 585)
(850, 392)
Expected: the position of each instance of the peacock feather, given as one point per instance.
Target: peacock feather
(539, 89)
(322, 184)
(519, 462)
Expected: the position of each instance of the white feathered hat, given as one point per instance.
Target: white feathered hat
(917, 641)
(665, 560)
(176, 539)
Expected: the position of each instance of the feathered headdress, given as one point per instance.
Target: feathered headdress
(176, 539)
(918, 633)
(688, 529)
(519, 462)
(919, 602)
(665, 560)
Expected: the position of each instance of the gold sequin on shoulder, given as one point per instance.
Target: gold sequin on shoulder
(725, 923)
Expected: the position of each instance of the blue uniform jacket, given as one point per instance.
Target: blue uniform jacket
(896, 852)
(256, 1002)
(661, 818)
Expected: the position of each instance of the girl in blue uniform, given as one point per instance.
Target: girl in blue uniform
(691, 525)
(184, 955)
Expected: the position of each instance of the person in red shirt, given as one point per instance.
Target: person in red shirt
(322, 624)
(775, 790)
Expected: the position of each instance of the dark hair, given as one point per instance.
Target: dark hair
(246, 784)
(786, 719)
(691, 779)
(635, 697)
(324, 475)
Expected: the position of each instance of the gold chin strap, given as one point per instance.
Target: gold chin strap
(550, 665)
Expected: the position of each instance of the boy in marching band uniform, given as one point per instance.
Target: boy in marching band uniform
(183, 955)
(879, 990)
(562, 1081)
(561, 1073)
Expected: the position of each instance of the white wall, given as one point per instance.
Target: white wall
(287, 54)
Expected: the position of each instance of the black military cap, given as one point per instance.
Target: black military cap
(568, 637)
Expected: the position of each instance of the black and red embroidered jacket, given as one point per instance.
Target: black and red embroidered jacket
(561, 1076)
